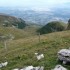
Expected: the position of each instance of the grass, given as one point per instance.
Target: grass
(19, 33)
(20, 51)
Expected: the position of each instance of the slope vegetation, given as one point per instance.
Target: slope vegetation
(10, 21)
(53, 26)
(20, 52)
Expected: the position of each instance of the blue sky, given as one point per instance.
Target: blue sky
(36, 4)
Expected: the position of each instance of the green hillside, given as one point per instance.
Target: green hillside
(53, 26)
(20, 51)
(16, 27)
(28, 31)
(10, 21)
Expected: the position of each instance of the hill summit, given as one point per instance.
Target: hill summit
(53, 26)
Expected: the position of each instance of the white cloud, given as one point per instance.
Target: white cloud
(33, 3)
(41, 9)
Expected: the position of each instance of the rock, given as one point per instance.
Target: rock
(0, 65)
(64, 55)
(39, 68)
(16, 69)
(59, 67)
(31, 68)
(3, 64)
(39, 56)
(27, 68)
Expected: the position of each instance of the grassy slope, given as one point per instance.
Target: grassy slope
(53, 26)
(19, 33)
(21, 51)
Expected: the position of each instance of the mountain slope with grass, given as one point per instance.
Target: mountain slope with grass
(20, 52)
(28, 31)
(10, 21)
(53, 26)
(16, 27)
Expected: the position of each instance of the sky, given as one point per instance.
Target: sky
(35, 4)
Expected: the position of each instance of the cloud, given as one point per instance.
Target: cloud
(41, 9)
(33, 3)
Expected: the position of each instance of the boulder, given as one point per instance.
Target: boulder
(64, 55)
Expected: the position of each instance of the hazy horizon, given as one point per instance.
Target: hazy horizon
(35, 4)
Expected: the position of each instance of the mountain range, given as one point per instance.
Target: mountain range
(36, 16)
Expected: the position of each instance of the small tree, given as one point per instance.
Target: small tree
(68, 27)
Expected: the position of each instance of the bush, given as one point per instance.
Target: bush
(20, 24)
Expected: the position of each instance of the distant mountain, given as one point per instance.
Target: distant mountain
(10, 21)
(39, 17)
